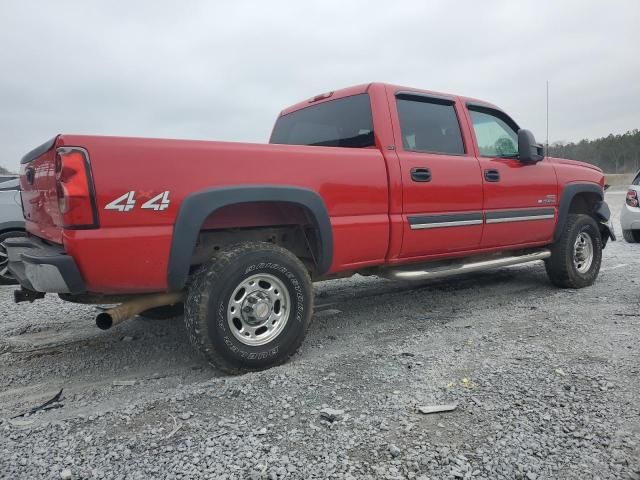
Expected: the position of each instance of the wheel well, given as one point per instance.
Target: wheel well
(584, 202)
(288, 225)
(227, 210)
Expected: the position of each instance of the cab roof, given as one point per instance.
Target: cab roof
(365, 87)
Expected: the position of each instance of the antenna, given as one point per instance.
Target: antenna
(547, 152)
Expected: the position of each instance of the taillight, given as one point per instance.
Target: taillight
(74, 188)
(632, 198)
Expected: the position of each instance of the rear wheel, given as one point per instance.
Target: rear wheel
(249, 307)
(631, 236)
(577, 254)
(6, 278)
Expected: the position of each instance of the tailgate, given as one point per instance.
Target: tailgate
(38, 190)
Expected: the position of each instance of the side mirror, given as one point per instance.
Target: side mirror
(528, 150)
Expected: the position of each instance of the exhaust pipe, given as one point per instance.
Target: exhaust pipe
(107, 319)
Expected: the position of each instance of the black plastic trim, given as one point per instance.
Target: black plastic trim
(455, 217)
(198, 206)
(479, 107)
(568, 193)
(603, 214)
(37, 252)
(602, 211)
(425, 97)
(531, 212)
(419, 174)
(39, 150)
(492, 175)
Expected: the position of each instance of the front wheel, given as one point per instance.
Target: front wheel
(249, 307)
(577, 254)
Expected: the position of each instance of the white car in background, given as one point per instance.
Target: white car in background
(11, 223)
(630, 216)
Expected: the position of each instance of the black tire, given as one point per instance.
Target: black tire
(164, 313)
(5, 276)
(631, 236)
(209, 303)
(561, 268)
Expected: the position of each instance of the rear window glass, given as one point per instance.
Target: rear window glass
(429, 126)
(345, 122)
(9, 185)
(636, 181)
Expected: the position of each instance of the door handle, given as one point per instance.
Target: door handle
(420, 174)
(492, 175)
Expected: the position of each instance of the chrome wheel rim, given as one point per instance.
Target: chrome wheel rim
(583, 252)
(258, 309)
(4, 263)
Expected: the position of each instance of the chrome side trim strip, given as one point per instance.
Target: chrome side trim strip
(460, 223)
(521, 219)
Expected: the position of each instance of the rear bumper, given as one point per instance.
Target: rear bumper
(42, 267)
(630, 218)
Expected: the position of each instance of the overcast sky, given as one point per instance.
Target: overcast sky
(223, 70)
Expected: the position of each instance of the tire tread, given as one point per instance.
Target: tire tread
(560, 265)
(205, 280)
(631, 236)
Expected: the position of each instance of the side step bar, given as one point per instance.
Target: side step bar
(460, 267)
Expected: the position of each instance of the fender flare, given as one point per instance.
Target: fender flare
(197, 206)
(568, 193)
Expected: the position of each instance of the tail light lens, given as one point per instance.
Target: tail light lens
(632, 198)
(74, 188)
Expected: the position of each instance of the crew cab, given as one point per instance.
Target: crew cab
(376, 179)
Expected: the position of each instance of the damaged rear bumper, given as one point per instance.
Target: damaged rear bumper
(603, 215)
(43, 267)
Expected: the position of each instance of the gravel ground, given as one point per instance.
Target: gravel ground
(545, 382)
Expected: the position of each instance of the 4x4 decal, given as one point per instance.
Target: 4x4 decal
(127, 202)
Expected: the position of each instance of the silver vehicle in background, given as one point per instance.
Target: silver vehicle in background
(11, 223)
(630, 216)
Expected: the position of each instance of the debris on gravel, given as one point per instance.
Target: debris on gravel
(331, 414)
(438, 408)
(124, 383)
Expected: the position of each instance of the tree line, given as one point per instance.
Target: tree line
(613, 154)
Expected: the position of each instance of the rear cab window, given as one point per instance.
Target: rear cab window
(344, 122)
(429, 124)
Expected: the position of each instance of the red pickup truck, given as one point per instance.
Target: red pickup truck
(375, 179)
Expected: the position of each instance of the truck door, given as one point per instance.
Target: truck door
(520, 199)
(441, 179)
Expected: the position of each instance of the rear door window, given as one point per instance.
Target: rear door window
(345, 122)
(429, 125)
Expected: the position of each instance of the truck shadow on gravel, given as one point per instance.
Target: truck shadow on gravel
(79, 357)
